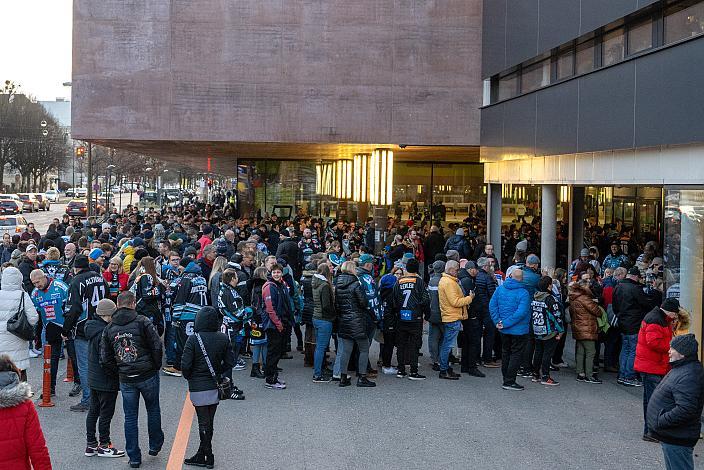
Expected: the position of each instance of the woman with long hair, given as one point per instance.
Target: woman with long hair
(149, 290)
(219, 265)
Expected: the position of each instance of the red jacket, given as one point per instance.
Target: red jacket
(654, 343)
(22, 445)
(204, 241)
(122, 281)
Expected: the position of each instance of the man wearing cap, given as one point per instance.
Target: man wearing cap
(580, 263)
(630, 304)
(27, 265)
(86, 290)
(652, 360)
(103, 387)
(675, 407)
(96, 258)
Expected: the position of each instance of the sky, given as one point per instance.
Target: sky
(36, 46)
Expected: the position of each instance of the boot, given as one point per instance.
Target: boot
(344, 381)
(363, 381)
(256, 372)
(198, 460)
(208, 449)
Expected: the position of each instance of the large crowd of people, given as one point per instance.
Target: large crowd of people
(196, 292)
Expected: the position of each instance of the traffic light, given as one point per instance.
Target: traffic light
(80, 152)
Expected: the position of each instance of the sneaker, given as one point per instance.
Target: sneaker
(448, 375)
(559, 364)
(246, 354)
(237, 394)
(535, 379)
(321, 380)
(275, 386)
(79, 407)
(335, 378)
(389, 370)
(549, 381)
(554, 368)
(581, 378)
(91, 451)
(513, 387)
(649, 438)
(135, 464)
(170, 370)
(75, 390)
(491, 365)
(475, 373)
(415, 376)
(621, 381)
(593, 380)
(110, 452)
(154, 452)
(526, 374)
(436, 367)
(401, 374)
(34, 353)
(241, 365)
(636, 383)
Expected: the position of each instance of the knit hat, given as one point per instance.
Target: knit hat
(208, 229)
(453, 255)
(95, 253)
(221, 247)
(16, 254)
(334, 259)
(470, 265)
(137, 241)
(532, 259)
(634, 271)
(31, 247)
(148, 234)
(686, 345)
(584, 252)
(438, 267)
(366, 258)
(105, 307)
(522, 245)
(671, 304)
(190, 251)
(81, 262)
(460, 232)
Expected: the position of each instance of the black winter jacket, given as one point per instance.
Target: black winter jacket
(434, 244)
(98, 379)
(468, 284)
(484, 287)
(131, 346)
(217, 345)
(434, 317)
(630, 305)
(289, 247)
(308, 304)
(149, 293)
(675, 408)
(86, 290)
(351, 305)
(411, 300)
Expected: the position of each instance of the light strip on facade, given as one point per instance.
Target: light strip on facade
(381, 185)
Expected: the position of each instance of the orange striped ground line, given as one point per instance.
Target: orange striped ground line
(183, 432)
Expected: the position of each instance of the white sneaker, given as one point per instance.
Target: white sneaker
(240, 366)
(389, 370)
(34, 353)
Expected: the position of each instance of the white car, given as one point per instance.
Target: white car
(12, 224)
(52, 195)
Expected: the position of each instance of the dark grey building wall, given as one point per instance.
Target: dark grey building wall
(363, 71)
(648, 101)
(518, 30)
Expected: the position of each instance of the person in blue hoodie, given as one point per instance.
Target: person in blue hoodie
(510, 311)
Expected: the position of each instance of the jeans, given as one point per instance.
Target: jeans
(512, 347)
(452, 329)
(407, 338)
(628, 356)
(346, 346)
(102, 405)
(435, 333)
(275, 348)
(81, 346)
(471, 347)
(323, 333)
(149, 390)
(585, 351)
(488, 333)
(650, 381)
(259, 354)
(170, 343)
(543, 355)
(387, 349)
(678, 457)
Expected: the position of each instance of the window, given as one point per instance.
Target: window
(613, 47)
(684, 21)
(535, 76)
(508, 85)
(640, 37)
(585, 57)
(565, 64)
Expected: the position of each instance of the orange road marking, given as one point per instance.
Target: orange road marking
(183, 432)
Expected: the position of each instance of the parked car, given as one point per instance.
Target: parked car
(44, 203)
(81, 192)
(29, 202)
(10, 206)
(77, 207)
(12, 225)
(52, 195)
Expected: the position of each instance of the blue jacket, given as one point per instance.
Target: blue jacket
(511, 305)
(372, 294)
(530, 280)
(51, 302)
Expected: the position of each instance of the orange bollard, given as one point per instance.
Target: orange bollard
(46, 379)
(69, 370)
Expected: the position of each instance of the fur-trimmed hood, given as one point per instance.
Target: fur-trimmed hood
(12, 391)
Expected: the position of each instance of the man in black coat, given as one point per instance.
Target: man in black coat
(485, 285)
(289, 247)
(675, 408)
(103, 386)
(434, 244)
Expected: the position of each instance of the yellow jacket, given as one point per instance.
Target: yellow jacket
(129, 258)
(453, 303)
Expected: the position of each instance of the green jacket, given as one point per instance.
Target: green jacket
(323, 299)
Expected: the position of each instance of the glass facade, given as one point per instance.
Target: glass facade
(613, 47)
(684, 21)
(683, 251)
(640, 37)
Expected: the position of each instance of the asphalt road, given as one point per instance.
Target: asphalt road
(400, 424)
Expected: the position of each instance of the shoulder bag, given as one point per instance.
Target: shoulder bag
(223, 384)
(19, 325)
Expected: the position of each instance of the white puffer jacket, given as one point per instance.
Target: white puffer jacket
(10, 291)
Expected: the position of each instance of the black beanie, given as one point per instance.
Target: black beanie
(686, 345)
(671, 304)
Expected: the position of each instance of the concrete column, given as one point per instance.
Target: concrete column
(548, 224)
(692, 268)
(381, 214)
(493, 213)
(576, 240)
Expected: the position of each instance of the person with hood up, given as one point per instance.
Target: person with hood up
(128, 251)
(22, 444)
(352, 307)
(12, 296)
(103, 387)
(584, 311)
(459, 243)
(434, 319)
(511, 313)
(675, 408)
(206, 356)
(547, 328)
